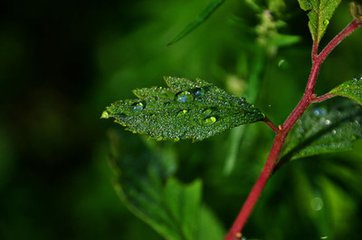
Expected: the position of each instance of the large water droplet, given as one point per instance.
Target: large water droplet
(199, 92)
(138, 106)
(316, 204)
(184, 97)
(210, 120)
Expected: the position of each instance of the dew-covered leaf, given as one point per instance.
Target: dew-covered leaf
(320, 13)
(146, 184)
(202, 17)
(185, 110)
(351, 89)
(324, 130)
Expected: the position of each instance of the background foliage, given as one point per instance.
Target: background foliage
(62, 62)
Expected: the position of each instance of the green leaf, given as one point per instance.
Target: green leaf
(324, 130)
(186, 110)
(146, 185)
(320, 13)
(356, 10)
(202, 17)
(351, 89)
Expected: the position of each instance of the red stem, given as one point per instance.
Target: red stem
(271, 125)
(323, 97)
(282, 132)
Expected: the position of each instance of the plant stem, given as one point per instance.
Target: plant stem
(281, 133)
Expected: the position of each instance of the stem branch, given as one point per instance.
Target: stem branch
(281, 132)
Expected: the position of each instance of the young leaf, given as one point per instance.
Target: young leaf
(356, 10)
(320, 13)
(322, 130)
(203, 16)
(186, 110)
(351, 89)
(146, 185)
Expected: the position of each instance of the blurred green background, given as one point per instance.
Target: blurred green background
(63, 62)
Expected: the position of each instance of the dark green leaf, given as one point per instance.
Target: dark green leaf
(320, 13)
(324, 130)
(185, 110)
(148, 189)
(202, 17)
(350, 89)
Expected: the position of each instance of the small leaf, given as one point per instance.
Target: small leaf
(356, 10)
(351, 89)
(320, 13)
(146, 185)
(202, 17)
(322, 130)
(185, 110)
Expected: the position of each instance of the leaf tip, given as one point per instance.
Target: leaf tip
(105, 115)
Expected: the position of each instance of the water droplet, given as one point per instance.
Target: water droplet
(316, 204)
(199, 92)
(182, 112)
(357, 78)
(334, 131)
(328, 122)
(319, 112)
(282, 63)
(184, 97)
(138, 106)
(105, 115)
(326, 22)
(210, 120)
